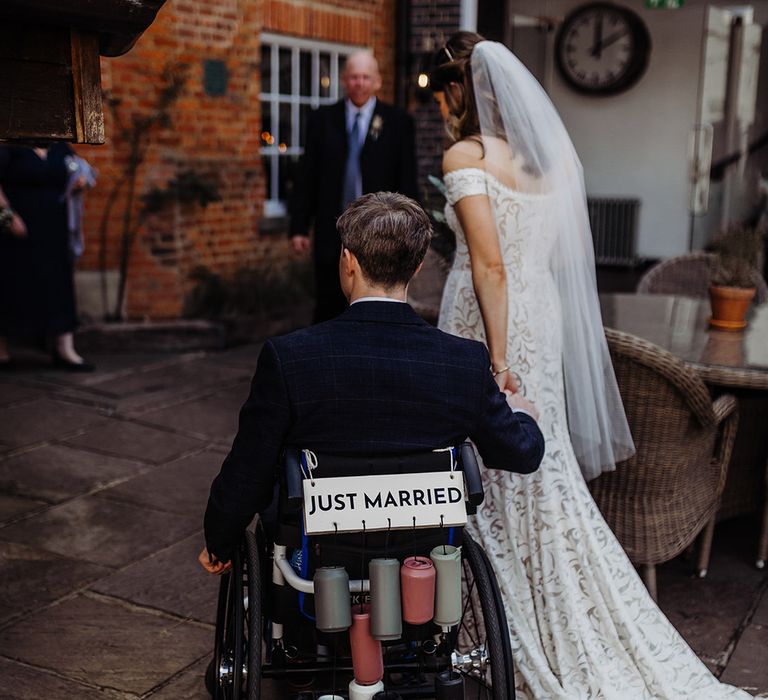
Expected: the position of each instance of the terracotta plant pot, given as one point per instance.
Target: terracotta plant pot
(729, 306)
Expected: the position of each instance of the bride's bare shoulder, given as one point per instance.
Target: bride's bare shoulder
(467, 153)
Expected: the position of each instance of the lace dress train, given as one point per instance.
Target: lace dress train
(581, 620)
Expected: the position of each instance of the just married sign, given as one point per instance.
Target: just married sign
(381, 502)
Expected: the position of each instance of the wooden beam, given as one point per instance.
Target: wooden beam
(36, 79)
(86, 87)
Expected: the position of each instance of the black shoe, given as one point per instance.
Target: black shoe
(61, 363)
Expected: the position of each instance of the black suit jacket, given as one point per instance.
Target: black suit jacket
(375, 380)
(387, 163)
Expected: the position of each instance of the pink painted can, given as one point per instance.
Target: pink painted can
(417, 584)
(367, 661)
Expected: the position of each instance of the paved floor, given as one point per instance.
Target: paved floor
(103, 481)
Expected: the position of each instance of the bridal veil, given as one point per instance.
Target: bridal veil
(513, 109)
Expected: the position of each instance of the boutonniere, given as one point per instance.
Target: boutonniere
(376, 124)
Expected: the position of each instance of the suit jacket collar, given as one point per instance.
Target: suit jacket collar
(381, 312)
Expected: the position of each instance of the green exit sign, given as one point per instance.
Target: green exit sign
(664, 4)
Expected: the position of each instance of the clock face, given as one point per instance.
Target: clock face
(602, 49)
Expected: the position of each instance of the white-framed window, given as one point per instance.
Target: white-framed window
(297, 75)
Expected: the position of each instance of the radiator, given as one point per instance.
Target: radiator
(614, 229)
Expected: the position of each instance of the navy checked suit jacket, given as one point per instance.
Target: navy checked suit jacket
(375, 380)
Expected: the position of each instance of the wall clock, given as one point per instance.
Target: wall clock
(602, 48)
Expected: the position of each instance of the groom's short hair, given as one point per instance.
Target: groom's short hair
(389, 234)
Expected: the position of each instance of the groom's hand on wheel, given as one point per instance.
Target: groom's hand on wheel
(523, 404)
(211, 564)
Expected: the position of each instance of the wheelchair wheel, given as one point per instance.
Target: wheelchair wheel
(482, 644)
(235, 670)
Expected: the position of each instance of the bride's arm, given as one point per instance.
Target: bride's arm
(489, 278)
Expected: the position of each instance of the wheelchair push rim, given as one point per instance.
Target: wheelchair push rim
(483, 653)
(237, 641)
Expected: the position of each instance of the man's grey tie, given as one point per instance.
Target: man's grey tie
(352, 170)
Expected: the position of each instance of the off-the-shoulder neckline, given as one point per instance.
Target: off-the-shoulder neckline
(502, 185)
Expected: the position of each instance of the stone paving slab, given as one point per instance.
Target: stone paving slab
(188, 685)
(32, 578)
(13, 393)
(106, 644)
(101, 531)
(169, 580)
(21, 682)
(54, 473)
(134, 441)
(150, 381)
(244, 357)
(748, 666)
(180, 486)
(213, 417)
(107, 367)
(13, 506)
(707, 612)
(44, 419)
(179, 374)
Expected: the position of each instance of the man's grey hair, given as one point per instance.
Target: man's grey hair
(389, 234)
(361, 53)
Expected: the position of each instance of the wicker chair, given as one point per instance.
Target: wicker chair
(688, 275)
(659, 500)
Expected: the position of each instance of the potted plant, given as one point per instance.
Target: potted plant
(733, 274)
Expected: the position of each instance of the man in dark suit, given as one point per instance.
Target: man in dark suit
(357, 145)
(376, 380)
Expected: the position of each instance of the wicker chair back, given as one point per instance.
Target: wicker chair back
(659, 500)
(688, 275)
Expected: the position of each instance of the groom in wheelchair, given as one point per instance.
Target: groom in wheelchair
(375, 391)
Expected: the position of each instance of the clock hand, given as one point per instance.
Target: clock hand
(612, 38)
(597, 47)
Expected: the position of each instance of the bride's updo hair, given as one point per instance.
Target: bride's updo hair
(453, 64)
(452, 75)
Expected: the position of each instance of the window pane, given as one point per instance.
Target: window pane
(286, 84)
(341, 60)
(285, 132)
(266, 68)
(305, 74)
(267, 139)
(325, 75)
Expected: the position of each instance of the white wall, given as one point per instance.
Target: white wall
(636, 143)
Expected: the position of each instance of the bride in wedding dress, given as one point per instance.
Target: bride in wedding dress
(582, 623)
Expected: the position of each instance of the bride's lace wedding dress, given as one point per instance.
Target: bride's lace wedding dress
(581, 620)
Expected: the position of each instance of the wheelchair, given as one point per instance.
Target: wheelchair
(265, 628)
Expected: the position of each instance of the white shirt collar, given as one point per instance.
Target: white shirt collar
(366, 113)
(398, 301)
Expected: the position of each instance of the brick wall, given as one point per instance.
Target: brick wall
(431, 22)
(215, 135)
